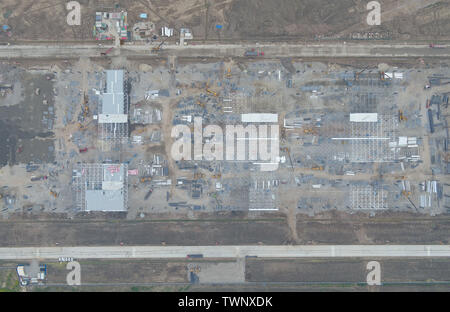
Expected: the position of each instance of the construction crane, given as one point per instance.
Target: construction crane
(106, 52)
(359, 73)
(158, 48)
(212, 92)
(286, 149)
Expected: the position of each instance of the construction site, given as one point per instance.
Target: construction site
(376, 138)
(213, 148)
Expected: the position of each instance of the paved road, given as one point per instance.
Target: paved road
(221, 50)
(324, 251)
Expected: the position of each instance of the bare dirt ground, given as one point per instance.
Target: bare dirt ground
(141, 233)
(346, 270)
(241, 19)
(111, 272)
(322, 229)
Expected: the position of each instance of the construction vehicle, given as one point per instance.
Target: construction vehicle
(252, 52)
(228, 74)
(201, 104)
(309, 131)
(217, 176)
(54, 194)
(401, 117)
(382, 76)
(85, 106)
(150, 191)
(34, 178)
(106, 52)
(198, 175)
(158, 48)
(320, 168)
(211, 92)
(145, 179)
(406, 193)
(140, 130)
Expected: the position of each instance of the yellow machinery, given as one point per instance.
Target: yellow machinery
(320, 168)
(309, 131)
(211, 92)
(401, 117)
(228, 74)
(146, 179)
(217, 176)
(198, 175)
(85, 106)
(53, 193)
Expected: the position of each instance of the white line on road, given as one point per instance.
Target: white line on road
(262, 251)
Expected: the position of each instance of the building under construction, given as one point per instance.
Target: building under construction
(101, 187)
(113, 110)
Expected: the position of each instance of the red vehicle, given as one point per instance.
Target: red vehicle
(83, 150)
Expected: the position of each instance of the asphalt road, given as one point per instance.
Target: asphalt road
(226, 50)
(163, 252)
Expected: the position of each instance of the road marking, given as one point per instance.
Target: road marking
(226, 251)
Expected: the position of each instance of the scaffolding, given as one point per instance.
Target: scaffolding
(365, 91)
(371, 141)
(368, 197)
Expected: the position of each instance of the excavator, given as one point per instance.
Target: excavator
(158, 48)
(210, 91)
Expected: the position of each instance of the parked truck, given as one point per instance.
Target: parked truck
(195, 256)
(34, 178)
(253, 52)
